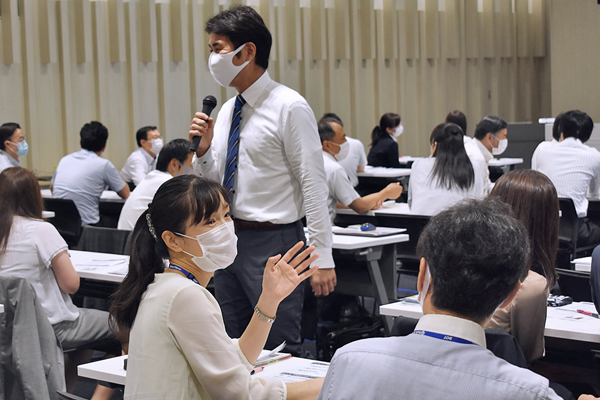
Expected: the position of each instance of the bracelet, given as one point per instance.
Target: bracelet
(262, 316)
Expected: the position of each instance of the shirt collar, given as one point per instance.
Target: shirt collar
(13, 162)
(453, 326)
(486, 153)
(326, 154)
(252, 93)
(148, 157)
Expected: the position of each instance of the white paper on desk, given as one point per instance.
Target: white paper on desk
(294, 370)
(114, 266)
(569, 312)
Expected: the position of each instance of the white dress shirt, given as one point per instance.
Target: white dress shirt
(279, 176)
(7, 161)
(573, 168)
(480, 157)
(179, 349)
(540, 147)
(340, 188)
(426, 197)
(138, 165)
(139, 198)
(356, 158)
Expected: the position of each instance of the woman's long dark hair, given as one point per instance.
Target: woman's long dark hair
(452, 167)
(534, 202)
(186, 199)
(388, 120)
(19, 195)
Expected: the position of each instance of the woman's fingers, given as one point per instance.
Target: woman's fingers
(291, 252)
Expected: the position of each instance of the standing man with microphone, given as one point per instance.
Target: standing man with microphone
(265, 149)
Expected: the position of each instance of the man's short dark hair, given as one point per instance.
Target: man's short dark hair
(178, 149)
(489, 124)
(326, 132)
(242, 24)
(93, 136)
(576, 124)
(6, 131)
(556, 127)
(476, 252)
(142, 134)
(332, 116)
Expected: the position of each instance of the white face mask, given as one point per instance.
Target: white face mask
(219, 248)
(221, 66)
(344, 149)
(502, 145)
(423, 293)
(398, 131)
(157, 145)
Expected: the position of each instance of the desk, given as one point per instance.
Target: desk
(110, 206)
(582, 329)
(583, 264)
(289, 370)
(381, 172)
(374, 179)
(48, 214)
(100, 266)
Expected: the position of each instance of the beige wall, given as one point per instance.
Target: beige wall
(133, 63)
(575, 56)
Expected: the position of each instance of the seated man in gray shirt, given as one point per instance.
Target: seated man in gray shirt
(82, 176)
(472, 258)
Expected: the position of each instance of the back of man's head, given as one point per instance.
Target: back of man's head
(489, 124)
(576, 124)
(476, 251)
(332, 116)
(142, 134)
(242, 24)
(326, 132)
(178, 149)
(93, 136)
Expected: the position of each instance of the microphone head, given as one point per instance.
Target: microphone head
(209, 101)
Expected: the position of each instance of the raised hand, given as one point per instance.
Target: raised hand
(283, 274)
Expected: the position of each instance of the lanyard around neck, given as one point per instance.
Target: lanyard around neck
(188, 275)
(440, 336)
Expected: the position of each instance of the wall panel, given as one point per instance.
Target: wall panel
(131, 63)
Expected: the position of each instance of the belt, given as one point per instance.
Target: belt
(244, 225)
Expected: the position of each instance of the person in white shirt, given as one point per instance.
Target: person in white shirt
(356, 160)
(12, 145)
(143, 159)
(490, 139)
(272, 168)
(179, 348)
(83, 176)
(336, 149)
(545, 143)
(472, 256)
(174, 159)
(446, 177)
(574, 169)
(33, 249)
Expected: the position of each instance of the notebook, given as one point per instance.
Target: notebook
(354, 230)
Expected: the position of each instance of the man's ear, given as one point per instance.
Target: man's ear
(511, 296)
(173, 166)
(172, 241)
(421, 277)
(248, 52)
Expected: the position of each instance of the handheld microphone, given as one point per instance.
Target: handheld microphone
(208, 104)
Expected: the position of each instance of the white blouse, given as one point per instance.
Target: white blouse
(178, 349)
(426, 197)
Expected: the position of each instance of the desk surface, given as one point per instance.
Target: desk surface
(106, 195)
(289, 370)
(494, 162)
(100, 266)
(48, 214)
(381, 172)
(392, 209)
(583, 264)
(562, 322)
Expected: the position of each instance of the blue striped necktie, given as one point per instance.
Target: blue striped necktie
(233, 145)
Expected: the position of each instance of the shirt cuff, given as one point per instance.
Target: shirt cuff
(325, 260)
(207, 158)
(241, 356)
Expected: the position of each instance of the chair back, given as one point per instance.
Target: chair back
(103, 240)
(575, 284)
(66, 220)
(569, 225)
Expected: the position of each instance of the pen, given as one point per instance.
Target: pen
(589, 314)
(256, 370)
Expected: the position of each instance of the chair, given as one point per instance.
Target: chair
(103, 240)
(569, 229)
(575, 284)
(66, 220)
(67, 396)
(31, 360)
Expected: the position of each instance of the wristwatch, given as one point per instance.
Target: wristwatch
(263, 316)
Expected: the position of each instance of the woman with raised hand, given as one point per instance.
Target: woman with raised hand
(534, 202)
(178, 344)
(446, 177)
